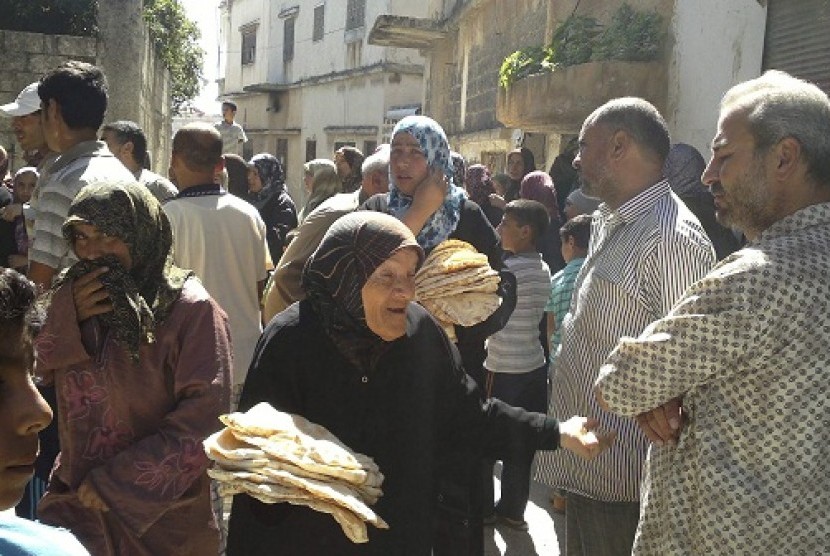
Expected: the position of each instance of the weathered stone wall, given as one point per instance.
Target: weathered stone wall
(463, 75)
(139, 85)
(24, 58)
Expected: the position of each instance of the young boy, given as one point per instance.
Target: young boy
(515, 364)
(23, 413)
(575, 235)
(233, 136)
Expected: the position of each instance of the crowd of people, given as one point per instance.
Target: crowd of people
(659, 347)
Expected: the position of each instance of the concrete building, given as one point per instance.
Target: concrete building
(708, 46)
(306, 81)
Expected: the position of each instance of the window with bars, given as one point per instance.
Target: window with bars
(288, 39)
(369, 147)
(310, 149)
(248, 45)
(355, 14)
(319, 23)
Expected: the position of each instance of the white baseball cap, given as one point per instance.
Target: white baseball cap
(27, 102)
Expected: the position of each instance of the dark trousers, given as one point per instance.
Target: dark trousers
(528, 391)
(596, 528)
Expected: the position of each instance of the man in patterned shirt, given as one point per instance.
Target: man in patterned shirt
(746, 348)
(646, 248)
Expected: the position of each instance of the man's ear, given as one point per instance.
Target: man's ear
(618, 144)
(128, 147)
(787, 155)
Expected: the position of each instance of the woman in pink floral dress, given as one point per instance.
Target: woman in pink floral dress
(140, 357)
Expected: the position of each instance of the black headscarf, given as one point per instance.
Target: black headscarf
(333, 278)
(529, 163)
(272, 176)
(237, 170)
(683, 168)
(142, 296)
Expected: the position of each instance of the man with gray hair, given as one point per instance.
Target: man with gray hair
(744, 352)
(646, 248)
(284, 287)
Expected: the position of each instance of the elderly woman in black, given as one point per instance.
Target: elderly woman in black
(266, 191)
(359, 357)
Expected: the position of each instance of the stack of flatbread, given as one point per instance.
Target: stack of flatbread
(279, 457)
(457, 286)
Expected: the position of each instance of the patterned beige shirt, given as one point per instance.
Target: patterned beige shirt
(748, 349)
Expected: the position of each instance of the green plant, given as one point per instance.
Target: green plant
(632, 36)
(522, 63)
(573, 41)
(175, 38)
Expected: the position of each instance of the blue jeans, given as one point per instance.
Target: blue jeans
(528, 391)
(596, 528)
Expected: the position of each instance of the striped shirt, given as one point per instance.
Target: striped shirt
(516, 347)
(85, 163)
(641, 259)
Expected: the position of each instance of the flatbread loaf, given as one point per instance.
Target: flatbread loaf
(279, 457)
(457, 286)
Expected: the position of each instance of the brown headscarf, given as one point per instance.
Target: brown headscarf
(142, 296)
(333, 278)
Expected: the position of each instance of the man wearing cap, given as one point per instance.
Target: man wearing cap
(73, 102)
(25, 114)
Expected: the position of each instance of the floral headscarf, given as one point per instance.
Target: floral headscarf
(538, 186)
(479, 184)
(333, 278)
(433, 143)
(142, 296)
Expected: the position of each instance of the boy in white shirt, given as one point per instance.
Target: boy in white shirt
(516, 365)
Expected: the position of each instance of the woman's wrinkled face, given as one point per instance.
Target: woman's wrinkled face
(23, 413)
(254, 181)
(90, 243)
(407, 162)
(387, 293)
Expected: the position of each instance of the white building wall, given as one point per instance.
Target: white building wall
(321, 86)
(717, 44)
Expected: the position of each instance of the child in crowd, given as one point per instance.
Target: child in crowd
(515, 364)
(575, 235)
(23, 413)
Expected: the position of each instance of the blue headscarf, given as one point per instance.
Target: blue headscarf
(436, 148)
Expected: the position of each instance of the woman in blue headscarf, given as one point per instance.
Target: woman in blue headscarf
(423, 195)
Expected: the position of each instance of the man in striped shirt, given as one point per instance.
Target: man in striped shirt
(646, 249)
